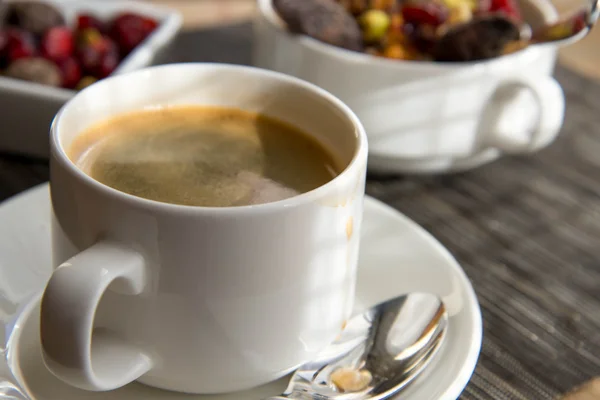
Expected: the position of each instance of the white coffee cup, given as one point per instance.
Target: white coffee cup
(427, 116)
(197, 299)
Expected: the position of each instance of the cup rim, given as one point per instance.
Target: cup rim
(268, 14)
(358, 159)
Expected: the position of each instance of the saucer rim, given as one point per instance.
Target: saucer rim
(430, 165)
(468, 367)
(453, 390)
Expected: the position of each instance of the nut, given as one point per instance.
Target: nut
(35, 69)
(34, 16)
(324, 20)
(480, 39)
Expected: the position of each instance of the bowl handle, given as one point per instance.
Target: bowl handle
(495, 124)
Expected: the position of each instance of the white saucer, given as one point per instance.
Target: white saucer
(396, 256)
(385, 164)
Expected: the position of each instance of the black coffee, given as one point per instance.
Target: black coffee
(203, 156)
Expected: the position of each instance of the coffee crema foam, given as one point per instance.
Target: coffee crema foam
(203, 156)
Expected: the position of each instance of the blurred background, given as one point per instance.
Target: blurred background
(582, 57)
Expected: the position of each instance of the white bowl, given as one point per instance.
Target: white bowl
(427, 116)
(27, 108)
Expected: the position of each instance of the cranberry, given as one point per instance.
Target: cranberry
(149, 25)
(510, 8)
(580, 22)
(129, 30)
(58, 43)
(109, 62)
(89, 57)
(428, 13)
(21, 44)
(99, 57)
(70, 72)
(85, 21)
(90, 47)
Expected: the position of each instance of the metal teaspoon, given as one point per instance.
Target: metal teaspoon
(378, 353)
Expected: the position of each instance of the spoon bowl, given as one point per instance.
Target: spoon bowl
(378, 353)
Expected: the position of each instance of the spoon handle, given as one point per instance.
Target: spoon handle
(594, 12)
(571, 28)
(299, 396)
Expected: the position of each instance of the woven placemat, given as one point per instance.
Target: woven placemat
(527, 232)
(525, 229)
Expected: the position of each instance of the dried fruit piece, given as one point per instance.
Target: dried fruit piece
(471, 4)
(324, 20)
(429, 13)
(58, 43)
(88, 37)
(129, 30)
(85, 21)
(397, 52)
(517, 45)
(70, 72)
(480, 39)
(34, 16)
(21, 44)
(424, 37)
(460, 14)
(85, 82)
(349, 380)
(35, 69)
(375, 24)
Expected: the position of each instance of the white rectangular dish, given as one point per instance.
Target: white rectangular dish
(27, 108)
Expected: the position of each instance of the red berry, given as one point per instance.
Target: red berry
(109, 62)
(510, 8)
(70, 72)
(149, 25)
(99, 58)
(580, 22)
(58, 43)
(85, 21)
(21, 44)
(129, 30)
(89, 57)
(428, 13)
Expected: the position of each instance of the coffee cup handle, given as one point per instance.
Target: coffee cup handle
(72, 351)
(550, 101)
